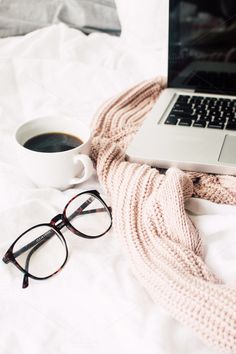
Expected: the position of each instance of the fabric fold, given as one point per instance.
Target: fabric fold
(161, 242)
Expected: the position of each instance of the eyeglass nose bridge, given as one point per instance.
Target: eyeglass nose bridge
(58, 221)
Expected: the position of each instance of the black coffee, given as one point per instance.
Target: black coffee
(52, 142)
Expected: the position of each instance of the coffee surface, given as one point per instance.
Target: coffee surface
(53, 142)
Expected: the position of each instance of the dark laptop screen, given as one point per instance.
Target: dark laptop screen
(202, 45)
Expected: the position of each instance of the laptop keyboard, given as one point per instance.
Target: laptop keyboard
(203, 112)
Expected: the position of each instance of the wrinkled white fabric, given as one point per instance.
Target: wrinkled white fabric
(94, 305)
(21, 17)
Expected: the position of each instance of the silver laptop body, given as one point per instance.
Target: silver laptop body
(194, 75)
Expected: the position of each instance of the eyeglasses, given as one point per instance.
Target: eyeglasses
(41, 251)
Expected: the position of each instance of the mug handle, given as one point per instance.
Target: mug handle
(87, 167)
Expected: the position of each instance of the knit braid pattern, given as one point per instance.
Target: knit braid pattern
(163, 246)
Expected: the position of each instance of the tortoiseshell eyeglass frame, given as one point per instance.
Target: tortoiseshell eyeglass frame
(56, 224)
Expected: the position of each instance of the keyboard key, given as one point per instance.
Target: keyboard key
(183, 98)
(185, 122)
(215, 125)
(181, 115)
(231, 126)
(201, 111)
(171, 120)
(229, 115)
(194, 116)
(206, 118)
(200, 124)
(218, 119)
(184, 110)
(187, 117)
(214, 113)
(180, 105)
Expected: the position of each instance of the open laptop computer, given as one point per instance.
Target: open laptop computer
(193, 124)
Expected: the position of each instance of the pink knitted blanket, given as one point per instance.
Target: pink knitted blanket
(164, 248)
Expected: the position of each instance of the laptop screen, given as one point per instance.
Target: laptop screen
(202, 45)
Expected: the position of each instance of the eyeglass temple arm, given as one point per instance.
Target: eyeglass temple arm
(81, 210)
(40, 240)
(25, 282)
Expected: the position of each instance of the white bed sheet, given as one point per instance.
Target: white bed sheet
(94, 305)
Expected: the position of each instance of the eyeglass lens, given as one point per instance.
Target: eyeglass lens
(39, 254)
(87, 214)
(41, 251)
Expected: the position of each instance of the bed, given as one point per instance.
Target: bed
(94, 305)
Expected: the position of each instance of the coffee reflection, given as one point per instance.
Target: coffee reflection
(52, 142)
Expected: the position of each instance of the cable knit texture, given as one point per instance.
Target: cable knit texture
(163, 246)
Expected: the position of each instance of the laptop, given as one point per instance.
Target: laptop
(192, 125)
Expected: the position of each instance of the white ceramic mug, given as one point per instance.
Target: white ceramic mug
(55, 169)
